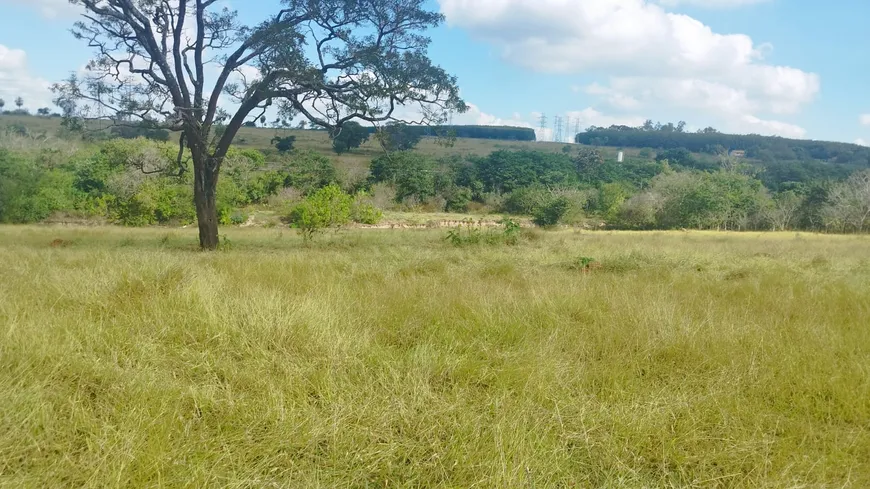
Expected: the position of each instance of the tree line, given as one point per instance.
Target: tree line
(506, 133)
(767, 149)
(136, 182)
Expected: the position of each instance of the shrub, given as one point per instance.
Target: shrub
(328, 207)
(509, 234)
(309, 171)
(285, 144)
(552, 213)
(457, 199)
(364, 211)
(526, 201)
(238, 218)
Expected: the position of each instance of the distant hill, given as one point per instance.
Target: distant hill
(763, 148)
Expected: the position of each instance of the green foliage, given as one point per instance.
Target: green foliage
(457, 199)
(412, 174)
(525, 201)
(398, 137)
(787, 160)
(151, 201)
(145, 129)
(238, 217)
(583, 264)
(30, 193)
(327, 208)
(677, 156)
(720, 200)
(508, 234)
(505, 133)
(551, 213)
(506, 171)
(352, 135)
(106, 181)
(284, 144)
(364, 211)
(309, 171)
(611, 197)
(512, 231)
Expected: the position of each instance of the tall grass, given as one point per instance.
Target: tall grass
(392, 359)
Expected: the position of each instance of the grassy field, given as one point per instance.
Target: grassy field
(378, 358)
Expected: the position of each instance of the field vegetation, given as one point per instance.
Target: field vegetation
(401, 359)
(57, 176)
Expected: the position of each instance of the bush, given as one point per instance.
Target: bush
(509, 235)
(309, 171)
(413, 175)
(552, 213)
(457, 199)
(29, 193)
(364, 211)
(328, 207)
(285, 144)
(527, 200)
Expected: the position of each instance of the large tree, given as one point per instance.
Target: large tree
(328, 61)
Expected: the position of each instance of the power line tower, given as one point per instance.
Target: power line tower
(568, 138)
(577, 127)
(543, 121)
(557, 125)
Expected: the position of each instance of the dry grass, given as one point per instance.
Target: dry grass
(392, 359)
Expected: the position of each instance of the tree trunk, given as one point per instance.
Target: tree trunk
(204, 196)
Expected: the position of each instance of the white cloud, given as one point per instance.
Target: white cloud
(592, 117)
(475, 116)
(861, 142)
(864, 119)
(613, 97)
(711, 3)
(51, 9)
(17, 81)
(752, 124)
(657, 59)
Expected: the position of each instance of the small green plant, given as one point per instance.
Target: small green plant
(509, 234)
(512, 231)
(238, 218)
(226, 244)
(460, 236)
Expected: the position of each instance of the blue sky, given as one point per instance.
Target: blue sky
(796, 68)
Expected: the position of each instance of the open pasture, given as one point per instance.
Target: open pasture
(386, 358)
